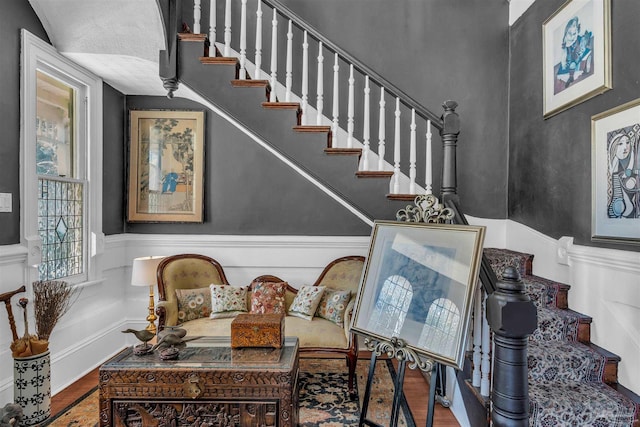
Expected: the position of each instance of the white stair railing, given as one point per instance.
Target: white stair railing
(296, 36)
(274, 56)
(320, 86)
(336, 103)
(243, 41)
(396, 149)
(258, 59)
(288, 71)
(381, 131)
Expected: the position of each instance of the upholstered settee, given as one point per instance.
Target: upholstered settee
(184, 290)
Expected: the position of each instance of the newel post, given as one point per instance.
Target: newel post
(171, 11)
(449, 135)
(512, 318)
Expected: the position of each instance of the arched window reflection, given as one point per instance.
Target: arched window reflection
(391, 306)
(441, 328)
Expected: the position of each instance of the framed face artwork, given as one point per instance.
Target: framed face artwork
(576, 54)
(615, 174)
(418, 285)
(166, 166)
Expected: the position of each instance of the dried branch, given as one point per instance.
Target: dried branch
(52, 299)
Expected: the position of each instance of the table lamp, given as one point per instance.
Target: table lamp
(144, 273)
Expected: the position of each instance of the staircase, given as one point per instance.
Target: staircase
(571, 380)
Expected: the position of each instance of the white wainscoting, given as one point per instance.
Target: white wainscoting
(605, 285)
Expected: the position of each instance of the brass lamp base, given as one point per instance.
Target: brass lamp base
(151, 318)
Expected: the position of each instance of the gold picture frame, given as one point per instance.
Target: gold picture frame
(166, 159)
(576, 46)
(418, 286)
(615, 176)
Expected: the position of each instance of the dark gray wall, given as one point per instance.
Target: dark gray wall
(435, 50)
(550, 160)
(15, 15)
(114, 161)
(248, 190)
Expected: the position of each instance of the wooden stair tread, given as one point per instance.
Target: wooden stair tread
(190, 37)
(631, 396)
(249, 83)
(221, 60)
(312, 128)
(343, 151)
(374, 174)
(610, 375)
(281, 105)
(407, 197)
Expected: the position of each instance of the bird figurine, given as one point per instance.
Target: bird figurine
(145, 336)
(172, 330)
(169, 343)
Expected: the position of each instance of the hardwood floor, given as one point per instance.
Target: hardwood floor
(416, 390)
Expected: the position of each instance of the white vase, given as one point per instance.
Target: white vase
(32, 387)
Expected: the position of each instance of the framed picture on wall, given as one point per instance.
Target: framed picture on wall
(615, 158)
(576, 48)
(166, 157)
(418, 286)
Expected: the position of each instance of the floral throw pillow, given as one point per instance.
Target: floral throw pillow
(306, 302)
(193, 304)
(333, 305)
(227, 301)
(268, 297)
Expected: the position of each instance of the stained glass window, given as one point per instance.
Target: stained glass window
(60, 191)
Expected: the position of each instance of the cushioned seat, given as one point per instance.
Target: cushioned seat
(185, 280)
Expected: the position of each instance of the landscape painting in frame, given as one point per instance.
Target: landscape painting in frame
(576, 54)
(166, 166)
(616, 174)
(418, 285)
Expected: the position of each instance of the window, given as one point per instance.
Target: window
(391, 306)
(61, 159)
(441, 327)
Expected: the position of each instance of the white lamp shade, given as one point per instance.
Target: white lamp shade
(144, 271)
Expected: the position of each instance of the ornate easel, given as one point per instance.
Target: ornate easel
(397, 349)
(427, 209)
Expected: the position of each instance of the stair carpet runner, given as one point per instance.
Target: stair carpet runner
(568, 382)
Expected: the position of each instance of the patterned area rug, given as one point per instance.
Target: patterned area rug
(324, 398)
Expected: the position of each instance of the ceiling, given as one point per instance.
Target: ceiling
(118, 40)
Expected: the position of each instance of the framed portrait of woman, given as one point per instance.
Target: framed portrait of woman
(615, 173)
(576, 46)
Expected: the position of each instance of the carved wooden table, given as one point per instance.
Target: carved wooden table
(209, 384)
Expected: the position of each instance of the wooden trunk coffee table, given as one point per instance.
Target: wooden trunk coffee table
(209, 384)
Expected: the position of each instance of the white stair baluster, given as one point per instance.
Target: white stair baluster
(197, 14)
(412, 154)
(365, 127)
(350, 108)
(485, 364)
(243, 40)
(428, 169)
(258, 73)
(381, 131)
(477, 336)
(212, 28)
(336, 104)
(227, 29)
(289, 66)
(396, 150)
(274, 56)
(320, 85)
(305, 78)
